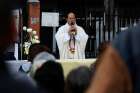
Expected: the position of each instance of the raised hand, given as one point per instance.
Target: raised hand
(72, 30)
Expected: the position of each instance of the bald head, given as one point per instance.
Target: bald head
(71, 19)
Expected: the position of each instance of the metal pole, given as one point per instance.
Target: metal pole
(21, 45)
(54, 41)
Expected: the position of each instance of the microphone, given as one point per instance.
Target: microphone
(73, 29)
(72, 38)
(72, 23)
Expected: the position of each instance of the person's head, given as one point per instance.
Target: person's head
(93, 67)
(103, 46)
(50, 77)
(39, 60)
(6, 35)
(36, 49)
(6, 32)
(71, 18)
(78, 80)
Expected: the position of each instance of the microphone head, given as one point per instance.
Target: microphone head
(72, 23)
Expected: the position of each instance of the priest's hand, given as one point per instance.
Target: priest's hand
(72, 31)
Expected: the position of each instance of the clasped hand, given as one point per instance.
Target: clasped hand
(72, 31)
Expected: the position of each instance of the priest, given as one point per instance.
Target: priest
(71, 39)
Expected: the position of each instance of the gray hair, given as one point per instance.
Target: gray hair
(39, 60)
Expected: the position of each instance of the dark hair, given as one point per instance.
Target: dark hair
(6, 31)
(78, 80)
(6, 34)
(35, 49)
(50, 77)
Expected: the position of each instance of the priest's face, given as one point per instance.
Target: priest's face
(71, 20)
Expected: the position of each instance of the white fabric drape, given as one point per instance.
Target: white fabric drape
(62, 38)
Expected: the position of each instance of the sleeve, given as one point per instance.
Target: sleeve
(81, 38)
(62, 38)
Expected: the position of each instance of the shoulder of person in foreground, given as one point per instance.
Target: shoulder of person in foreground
(15, 83)
(112, 75)
(127, 44)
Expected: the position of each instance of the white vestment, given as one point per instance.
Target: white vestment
(62, 38)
